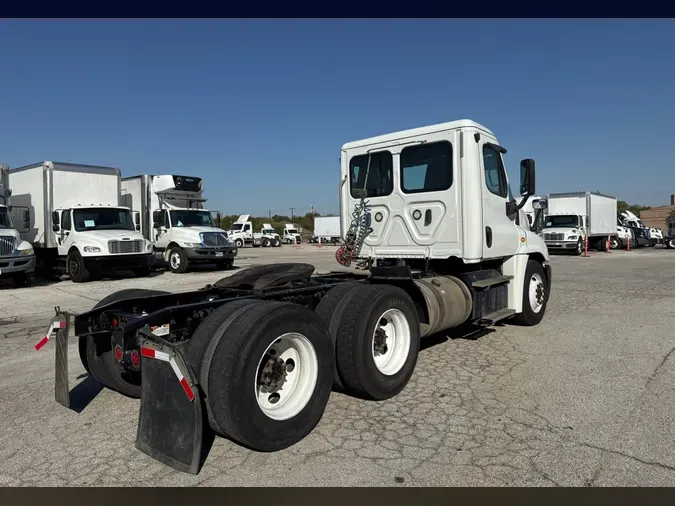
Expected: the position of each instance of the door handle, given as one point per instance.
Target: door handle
(427, 218)
(488, 237)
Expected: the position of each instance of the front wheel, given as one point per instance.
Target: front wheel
(178, 261)
(76, 269)
(670, 243)
(535, 295)
(265, 242)
(239, 243)
(580, 248)
(276, 243)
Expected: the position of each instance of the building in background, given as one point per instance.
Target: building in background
(657, 217)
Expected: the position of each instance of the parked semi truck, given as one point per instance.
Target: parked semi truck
(669, 239)
(254, 356)
(291, 234)
(242, 234)
(173, 217)
(326, 229)
(17, 258)
(573, 218)
(76, 221)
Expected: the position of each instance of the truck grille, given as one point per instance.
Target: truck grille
(7, 245)
(554, 237)
(214, 240)
(115, 247)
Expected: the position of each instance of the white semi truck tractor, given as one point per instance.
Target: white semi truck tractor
(173, 216)
(428, 213)
(17, 258)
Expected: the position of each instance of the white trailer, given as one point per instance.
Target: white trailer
(573, 218)
(77, 222)
(17, 258)
(173, 216)
(326, 229)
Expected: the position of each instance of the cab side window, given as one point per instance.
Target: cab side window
(65, 220)
(495, 175)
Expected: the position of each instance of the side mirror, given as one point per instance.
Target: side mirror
(218, 218)
(55, 217)
(540, 204)
(55, 227)
(155, 224)
(138, 227)
(527, 180)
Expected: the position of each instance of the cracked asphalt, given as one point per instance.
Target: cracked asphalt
(587, 398)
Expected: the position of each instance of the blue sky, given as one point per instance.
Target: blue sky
(259, 109)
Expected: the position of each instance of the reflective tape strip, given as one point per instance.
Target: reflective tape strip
(165, 357)
(58, 324)
(153, 353)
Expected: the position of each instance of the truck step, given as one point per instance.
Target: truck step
(485, 283)
(493, 318)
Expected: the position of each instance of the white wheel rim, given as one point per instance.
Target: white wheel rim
(536, 292)
(396, 338)
(285, 399)
(175, 260)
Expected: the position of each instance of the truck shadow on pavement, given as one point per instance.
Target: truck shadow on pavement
(84, 392)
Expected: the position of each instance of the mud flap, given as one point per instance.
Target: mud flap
(171, 425)
(61, 386)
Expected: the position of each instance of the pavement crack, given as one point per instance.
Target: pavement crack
(658, 367)
(626, 455)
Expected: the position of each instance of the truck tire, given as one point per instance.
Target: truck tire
(265, 242)
(276, 243)
(382, 316)
(103, 367)
(178, 260)
(670, 243)
(76, 269)
(615, 243)
(271, 410)
(580, 247)
(226, 264)
(331, 309)
(239, 243)
(535, 295)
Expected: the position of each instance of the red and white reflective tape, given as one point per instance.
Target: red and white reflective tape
(165, 357)
(58, 324)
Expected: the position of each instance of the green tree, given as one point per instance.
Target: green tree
(622, 206)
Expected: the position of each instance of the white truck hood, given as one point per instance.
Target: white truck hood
(191, 234)
(561, 230)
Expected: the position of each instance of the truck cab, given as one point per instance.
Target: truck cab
(641, 233)
(100, 238)
(291, 234)
(565, 231)
(241, 233)
(17, 258)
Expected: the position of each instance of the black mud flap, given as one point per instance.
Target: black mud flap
(171, 425)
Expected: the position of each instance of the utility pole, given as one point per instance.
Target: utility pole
(292, 215)
(269, 212)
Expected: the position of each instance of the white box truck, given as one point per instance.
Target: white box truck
(326, 229)
(77, 223)
(573, 218)
(17, 258)
(172, 215)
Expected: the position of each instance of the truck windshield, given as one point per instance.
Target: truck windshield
(5, 219)
(562, 221)
(185, 218)
(291, 230)
(268, 231)
(102, 219)
(237, 226)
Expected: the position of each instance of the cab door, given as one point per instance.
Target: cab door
(501, 236)
(65, 237)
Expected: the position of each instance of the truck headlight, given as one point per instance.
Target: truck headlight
(92, 249)
(26, 252)
(572, 237)
(191, 244)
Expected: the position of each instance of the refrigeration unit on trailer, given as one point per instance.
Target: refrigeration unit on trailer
(17, 258)
(77, 222)
(326, 229)
(253, 357)
(573, 218)
(242, 234)
(173, 216)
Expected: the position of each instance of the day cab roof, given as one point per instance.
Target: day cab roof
(414, 132)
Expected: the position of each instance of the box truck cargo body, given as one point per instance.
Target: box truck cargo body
(76, 221)
(172, 215)
(573, 218)
(326, 229)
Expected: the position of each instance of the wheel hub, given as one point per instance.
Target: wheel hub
(380, 341)
(273, 375)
